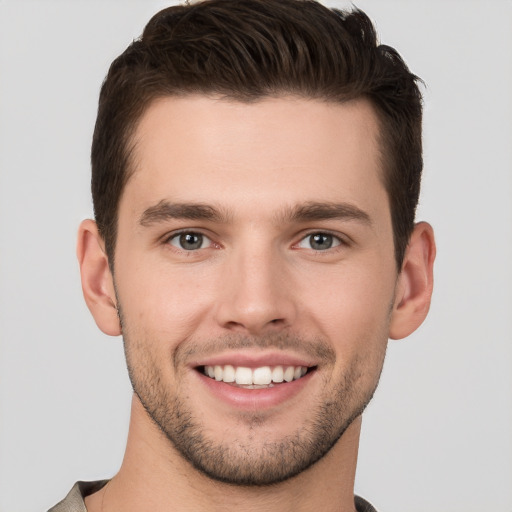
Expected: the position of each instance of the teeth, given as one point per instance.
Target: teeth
(228, 374)
(255, 377)
(289, 374)
(243, 375)
(262, 375)
(277, 374)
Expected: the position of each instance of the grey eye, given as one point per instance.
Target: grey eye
(189, 241)
(319, 241)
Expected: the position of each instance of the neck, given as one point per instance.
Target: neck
(154, 476)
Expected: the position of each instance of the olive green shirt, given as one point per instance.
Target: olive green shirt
(74, 501)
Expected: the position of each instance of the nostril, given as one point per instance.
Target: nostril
(256, 327)
(276, 321)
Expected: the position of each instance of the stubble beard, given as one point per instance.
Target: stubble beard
(243, 462)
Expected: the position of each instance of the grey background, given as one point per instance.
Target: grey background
(438, 436)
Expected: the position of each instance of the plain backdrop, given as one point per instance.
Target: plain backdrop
(438, 435)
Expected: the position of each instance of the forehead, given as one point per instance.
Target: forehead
(278, 151)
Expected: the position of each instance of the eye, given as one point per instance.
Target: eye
(319, 241)
(190, 241)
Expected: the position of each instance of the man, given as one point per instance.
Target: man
(256, 168)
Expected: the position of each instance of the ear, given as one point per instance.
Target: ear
(415, 283)
(97, 280)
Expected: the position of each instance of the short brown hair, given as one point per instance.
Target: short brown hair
(247, 50)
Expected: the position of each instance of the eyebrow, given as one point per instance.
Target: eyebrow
(164, 210)
(310, 211)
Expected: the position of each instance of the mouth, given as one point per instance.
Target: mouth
(255, 378)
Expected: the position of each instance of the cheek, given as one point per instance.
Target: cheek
(355, 316)
(356, 300)
(161, 305)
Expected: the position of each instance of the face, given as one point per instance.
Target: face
(255, 278)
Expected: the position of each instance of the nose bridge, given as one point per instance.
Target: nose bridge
(256, 294)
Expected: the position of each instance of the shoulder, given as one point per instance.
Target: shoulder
(74, 501)
(362, 505)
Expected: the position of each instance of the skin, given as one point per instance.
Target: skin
(257, 289)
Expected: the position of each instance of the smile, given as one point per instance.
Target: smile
(250, 384)
(254, 378)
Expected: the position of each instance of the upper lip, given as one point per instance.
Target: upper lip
(252, 359)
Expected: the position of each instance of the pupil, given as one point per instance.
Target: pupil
(321, 241)
(191, 241)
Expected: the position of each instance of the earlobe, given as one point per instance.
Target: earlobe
(97, 280)
(415, 283)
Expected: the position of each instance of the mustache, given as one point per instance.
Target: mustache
(316, 347)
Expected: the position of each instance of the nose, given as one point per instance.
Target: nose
(257, 293)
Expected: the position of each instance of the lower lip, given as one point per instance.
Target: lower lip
(251, 399)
